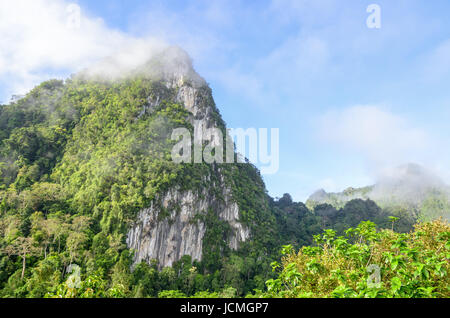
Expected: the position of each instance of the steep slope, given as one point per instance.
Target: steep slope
(177, 206)
(103, 144)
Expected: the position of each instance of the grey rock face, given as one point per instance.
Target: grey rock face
(170, 228)
(167, 237)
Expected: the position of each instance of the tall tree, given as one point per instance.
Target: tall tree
(23, 247)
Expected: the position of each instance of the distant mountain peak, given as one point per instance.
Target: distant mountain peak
(409, 184)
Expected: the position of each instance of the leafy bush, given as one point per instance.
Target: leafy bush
(378, 264)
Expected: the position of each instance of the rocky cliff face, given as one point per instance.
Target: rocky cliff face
(171, 227)
(180, 232)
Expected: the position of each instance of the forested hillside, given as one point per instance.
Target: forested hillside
(83, 160)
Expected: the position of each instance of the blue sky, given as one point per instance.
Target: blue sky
(349, 101)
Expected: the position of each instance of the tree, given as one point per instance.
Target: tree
(75, 243)
(77, 237)
(42, 231)
(23, 247)
(58, 229)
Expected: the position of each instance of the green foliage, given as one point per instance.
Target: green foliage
(171, 294)
(79, 159)
(297, 225)
(435, 205)
(215, 240)
(409, 265)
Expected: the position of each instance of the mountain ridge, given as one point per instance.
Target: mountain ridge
(409, 185)
(87, 179)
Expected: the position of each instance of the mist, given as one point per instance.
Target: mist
(409, 183)
(151, 58)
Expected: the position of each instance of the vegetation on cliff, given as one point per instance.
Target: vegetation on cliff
(79, 159)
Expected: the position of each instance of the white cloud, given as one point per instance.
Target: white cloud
(328, 184)
(384, 138)
(38, 41)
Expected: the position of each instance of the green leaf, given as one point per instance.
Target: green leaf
(396, 284)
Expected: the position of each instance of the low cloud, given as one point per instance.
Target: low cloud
(42, 39)
(47, 38)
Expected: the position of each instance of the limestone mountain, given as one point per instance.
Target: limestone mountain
(100, 146)
(89, 187)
